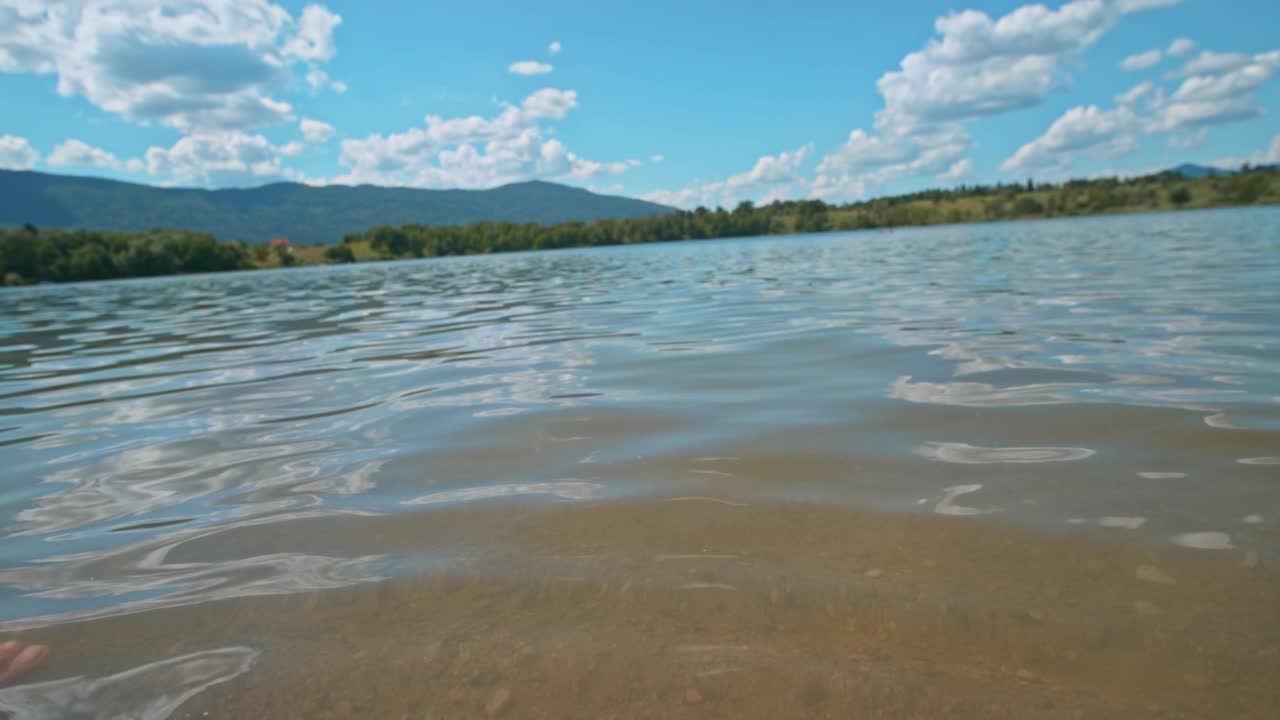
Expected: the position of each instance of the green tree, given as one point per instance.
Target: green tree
(1244, 189)
(285, 256)
(89, 262)
(1026, 205)
(339, 254)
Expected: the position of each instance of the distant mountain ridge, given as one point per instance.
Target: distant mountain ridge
(305, 214)
(1191, 170)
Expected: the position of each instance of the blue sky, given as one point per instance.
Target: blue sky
(686, 103)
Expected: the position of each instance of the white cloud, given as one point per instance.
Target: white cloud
(769, 171)
(199, 65)
(866, 161)
(550, 103)
(1142, 61)
(319, 79)
(975, 66)
(862, 151)
(1188, 140)
(959, 170)
(1103, 133)
(16, 153)
(77, 153)
(1132, 96)
(979, 66)
(690, 196)
(772, 177)
(1128, 6)
(1181, 47)
(1268, 156)
(316, 131)
(1223, 88)
(1209, 63)
(554, 48)
(529, 67)
(313, 40)
(219, 159)
(657, 158)
(555, 160)
(475, 151)
(1272, 154)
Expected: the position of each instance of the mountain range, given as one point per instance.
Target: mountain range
(304, 214)
(310, 215)
(1190, 170)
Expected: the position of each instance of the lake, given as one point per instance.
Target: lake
(1007, 470)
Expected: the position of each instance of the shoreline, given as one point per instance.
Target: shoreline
(411, 242)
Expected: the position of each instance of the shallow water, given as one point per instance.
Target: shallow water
(914, 473)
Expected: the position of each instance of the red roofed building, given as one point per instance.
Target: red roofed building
(278, 242)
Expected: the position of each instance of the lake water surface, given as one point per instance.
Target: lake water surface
(1012, 470)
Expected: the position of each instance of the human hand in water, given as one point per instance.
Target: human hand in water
(17, 659)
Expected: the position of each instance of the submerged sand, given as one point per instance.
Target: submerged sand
(700, 607)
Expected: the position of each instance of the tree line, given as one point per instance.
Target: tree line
(29, 254)
(967, 203)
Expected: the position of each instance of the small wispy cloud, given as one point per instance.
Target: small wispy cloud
(529, 67)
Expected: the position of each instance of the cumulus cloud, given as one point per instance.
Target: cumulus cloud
(220, 159)
(979, 66)
(1181, 47)
(529, 67)
(16, 153)
(1142, 61)
(1217, 88)
(959, 170)
(77, 153)
(866, 161)
(771, 177)
(554, 48)
(975, 66)
(1222, 88)
(1104, 133)
(1209, 63)
(1135, 94)
(769, 171)
(200, 65)
(316, 131)
(313, 40)
(657, 158)
(475, 151)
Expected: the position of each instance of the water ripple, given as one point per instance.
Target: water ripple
(153, 691)
(144, 422)
(972, 455)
